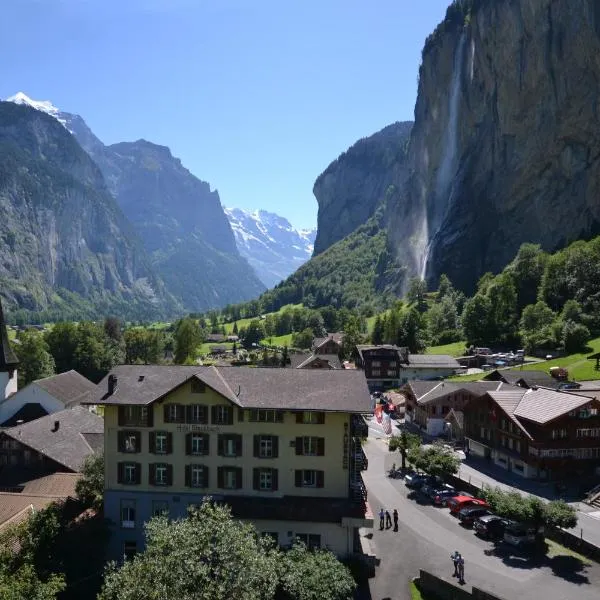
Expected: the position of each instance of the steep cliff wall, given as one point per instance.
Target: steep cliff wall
(354, 185)
(506, 142)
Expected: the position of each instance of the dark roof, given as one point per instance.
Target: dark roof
(427, 391)
(291, 389)
(8, 359)
(526, 379)
(65, 446)
(334, 337)
(296, 508)
(432, 361)
(332, 359)
(544, 405)
(298, 358)
(69, 387)
(28, 412)
(216, 337)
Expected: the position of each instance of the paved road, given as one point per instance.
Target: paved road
(427, 536)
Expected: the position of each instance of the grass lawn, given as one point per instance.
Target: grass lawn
(556, 549)
(279, 340)
(580, 368)
(416, 594)
(454, 349)
(244, 322)
(475, 377)
(205, 348)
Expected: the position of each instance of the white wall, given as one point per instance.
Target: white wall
(30, 393)
(8, 385)
(435, 427)
(412, 374)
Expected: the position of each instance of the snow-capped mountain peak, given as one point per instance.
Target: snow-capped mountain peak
(270, 243)
(42, 105)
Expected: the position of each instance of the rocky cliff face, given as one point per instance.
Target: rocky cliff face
(270, 244)
(354, 185)
(62, 235)
(506, 143)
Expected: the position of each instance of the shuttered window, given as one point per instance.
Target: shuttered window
(310, 446)
(130, 441)
(310, 418)
(230, 445)
(174, 413)
(160, 474)
(222, 414)
(196, 476)
(161, 442)
(306, 478)
(129, 473)
(197, 444)
(229, 478)
(265, 480)
(197, 414)
(266, 446)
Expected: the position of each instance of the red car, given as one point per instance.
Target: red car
(458, 502)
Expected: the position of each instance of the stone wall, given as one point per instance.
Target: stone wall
(446, 590)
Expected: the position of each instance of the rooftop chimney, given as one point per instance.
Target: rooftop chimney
(56, 426)
(112, 384)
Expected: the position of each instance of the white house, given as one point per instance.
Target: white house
(8, 362)
(44, 397)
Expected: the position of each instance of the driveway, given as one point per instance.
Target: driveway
(428, 535)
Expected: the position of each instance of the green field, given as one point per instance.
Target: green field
(454, 349)
(245, 322)
(205, 348)
(279, 340)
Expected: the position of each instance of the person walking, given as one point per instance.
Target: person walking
(381, 519)
(388, 519)
(395, 514)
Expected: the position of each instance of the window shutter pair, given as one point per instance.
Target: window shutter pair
(299, 446)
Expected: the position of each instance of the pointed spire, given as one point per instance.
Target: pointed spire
(8, 359)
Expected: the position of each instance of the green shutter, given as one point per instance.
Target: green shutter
(256, 446)
(320, 479)
(256, 479)
(275, 479)
(188, 475)
(169, 443)
(152, 440)
(298, 475)
(320, 446)
(275, 446)
(220, 476)
(299, 448)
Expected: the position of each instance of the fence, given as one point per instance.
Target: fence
(446, 590)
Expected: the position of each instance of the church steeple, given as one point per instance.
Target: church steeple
(8, 359)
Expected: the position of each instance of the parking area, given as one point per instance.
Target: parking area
(428, 535)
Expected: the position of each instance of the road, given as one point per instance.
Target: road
(428, 535)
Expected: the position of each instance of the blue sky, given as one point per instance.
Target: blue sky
(256, 97)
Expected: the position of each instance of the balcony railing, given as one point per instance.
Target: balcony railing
(358, 427)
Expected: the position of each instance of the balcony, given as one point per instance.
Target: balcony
(358, 427)
(358, 489)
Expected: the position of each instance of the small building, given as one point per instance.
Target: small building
(387, 366)
(525, 379)
(45, 396)
(321, 361)
(55, 443)
(331, 344)
(8, 362)
(536, 433)
(429, 403)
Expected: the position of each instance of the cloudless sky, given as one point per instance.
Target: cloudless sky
(256, 97)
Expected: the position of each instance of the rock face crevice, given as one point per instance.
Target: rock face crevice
(525, 78)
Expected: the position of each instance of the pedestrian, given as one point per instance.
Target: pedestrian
(395, 520)
(381, 519)
(454, 557)
(461, 569)
(388, 519)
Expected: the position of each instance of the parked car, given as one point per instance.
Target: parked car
(467, 515)
(490, 527)
(458, 502)
(430, 486)
(519, 534)
(442, 496)
(436, 490)
(415, 480)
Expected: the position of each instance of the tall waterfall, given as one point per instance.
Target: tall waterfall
(448, 166)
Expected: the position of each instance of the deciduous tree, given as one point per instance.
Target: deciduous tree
(35, 360)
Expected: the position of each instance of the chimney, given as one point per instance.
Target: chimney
(112, 384)
(56, 426)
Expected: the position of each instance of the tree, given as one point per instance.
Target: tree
(574, 337)
(24, 584)
(404, 443)
(442, 322)
(113, 328)
(571, 311)
(314, 575)
(303, 339)
(253, 334)
(35, 360)
(187, 339)
(412, 331)
(62, 342)
(476, 320)
(528, 269)
(378, 330)
(352, 335)
(417, 288)
(435, 460)
(90, 486)
(235, 328)
(285, 359)
(207, 555)
(537, 327)
(93, 357)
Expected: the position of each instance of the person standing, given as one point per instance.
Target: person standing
(454, 558)
(388, 519)
(381, 519)
(461, 569)
(395, 515)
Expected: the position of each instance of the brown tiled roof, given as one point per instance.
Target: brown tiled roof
(70, 387)
(508, 399)
(544, 405)
(14, 508)
(66, 445)
(56, 485)
(292, 389)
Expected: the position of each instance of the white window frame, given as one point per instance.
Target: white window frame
(230, 479)
(222, 416)
(310, 446)
(128, 510)
(160, 447)
(162, 469)
(159, 508)
(229, 447)
(196, 413)
(265, 480)
(309, 478)
(129, 473)
(197, 476)
(265, 446)
(197, 445)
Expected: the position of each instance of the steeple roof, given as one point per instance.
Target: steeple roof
(8, 359)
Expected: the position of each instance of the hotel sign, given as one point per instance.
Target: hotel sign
(198, 429)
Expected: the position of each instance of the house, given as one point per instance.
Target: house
(45, 396)
(55, 443)
(387, 366)
(280, 446)
(429, 403)
(22, 501)
(537, 432)
(8, 362)
(331, 344)
(321, 361)
(525, 379)
(216, 337)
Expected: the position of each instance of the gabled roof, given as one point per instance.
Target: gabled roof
(508, 400)
(544, 405)
(428, 391)
(56, 485)
(527, 379)
(28, 412)
(431, 361)
(69, 387)
(66, 445)
(332, 359)
(335, 337)
(285, 389)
